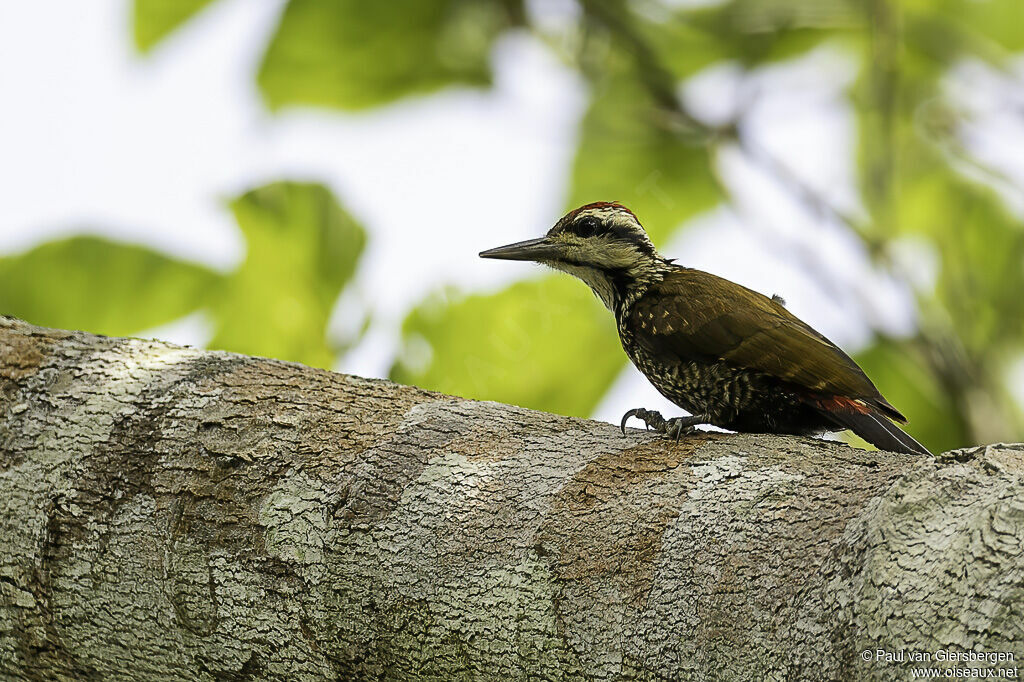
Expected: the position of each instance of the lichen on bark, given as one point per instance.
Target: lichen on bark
(175, 514)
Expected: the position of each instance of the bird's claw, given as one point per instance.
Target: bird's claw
(652, 419)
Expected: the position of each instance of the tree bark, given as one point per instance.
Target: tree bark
(176, 514)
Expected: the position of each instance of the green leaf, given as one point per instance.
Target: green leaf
(100, 286)
(546, 344)
(302, 250)
(153, 20)
(626, 155)
(353, 54)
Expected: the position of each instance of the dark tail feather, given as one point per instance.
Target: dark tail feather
(878, 431)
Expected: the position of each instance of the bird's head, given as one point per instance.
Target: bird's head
(603, 244)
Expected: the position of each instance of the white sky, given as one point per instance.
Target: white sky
(94, 138)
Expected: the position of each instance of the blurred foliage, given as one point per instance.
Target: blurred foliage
(85, 282)
(154, 19)
(626, 156)
(547, 343)
(302, 249)
(354, 54)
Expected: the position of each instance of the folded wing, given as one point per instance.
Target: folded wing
(696, 315)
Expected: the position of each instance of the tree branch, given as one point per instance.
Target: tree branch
(171, 513)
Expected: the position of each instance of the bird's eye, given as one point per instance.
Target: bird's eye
(586, 227)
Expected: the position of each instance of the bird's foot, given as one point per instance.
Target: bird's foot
(675, 427)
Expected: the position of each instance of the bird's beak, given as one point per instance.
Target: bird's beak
(532, 249)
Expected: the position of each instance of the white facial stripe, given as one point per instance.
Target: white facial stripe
(618, 217)
(610, 214)
(609, 253)
(602, 251)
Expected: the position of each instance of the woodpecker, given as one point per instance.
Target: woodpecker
(728, 355)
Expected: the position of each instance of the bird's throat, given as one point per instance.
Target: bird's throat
(614, 286)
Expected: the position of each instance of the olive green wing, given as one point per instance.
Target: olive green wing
(696, 315)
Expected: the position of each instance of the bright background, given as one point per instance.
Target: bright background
(312, 180)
